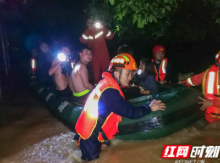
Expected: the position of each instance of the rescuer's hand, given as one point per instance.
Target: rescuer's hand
(205, 103)
(157, 105)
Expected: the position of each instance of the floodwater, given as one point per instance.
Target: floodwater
(30, 134)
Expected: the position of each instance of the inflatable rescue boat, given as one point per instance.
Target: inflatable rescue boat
(181, 102)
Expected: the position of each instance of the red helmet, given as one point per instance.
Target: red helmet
(217, 58)
(158, 48)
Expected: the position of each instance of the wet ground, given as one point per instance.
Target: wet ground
(30, 134)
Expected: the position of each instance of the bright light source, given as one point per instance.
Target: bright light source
(139, 72)
(98, 25)
(61, 57)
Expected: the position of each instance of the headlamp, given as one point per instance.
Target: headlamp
(139, 72)
(62, 57)
(98, 25)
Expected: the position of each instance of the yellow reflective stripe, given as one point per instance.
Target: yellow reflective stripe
(33, 64)
(99, 34)
(190, 81)
(125, 57)
(164, 66)
(109, 33)
(216, 56)
(211, 82)
(85, 37)
(81, 93)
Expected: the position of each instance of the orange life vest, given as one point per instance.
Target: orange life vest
(33, 65)
(211, 88)
(88, 119)
(162, 71)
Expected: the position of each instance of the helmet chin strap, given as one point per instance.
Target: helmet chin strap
(119, 82)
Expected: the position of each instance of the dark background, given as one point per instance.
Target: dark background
(54, 21)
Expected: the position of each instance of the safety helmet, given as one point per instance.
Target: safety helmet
(122, 61)
(217, 58)
(158, 48)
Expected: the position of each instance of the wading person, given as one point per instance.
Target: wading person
(161, 65)
(80, 77)
(105, 106)
(211, 87)
(95, 37)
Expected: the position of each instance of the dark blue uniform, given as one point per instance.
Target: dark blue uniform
(110, 101)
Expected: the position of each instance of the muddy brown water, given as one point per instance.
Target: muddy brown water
(30, 134)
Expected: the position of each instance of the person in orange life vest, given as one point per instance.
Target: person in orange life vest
(95, 37)
(105, 106)
(210, 83)
(161, 65)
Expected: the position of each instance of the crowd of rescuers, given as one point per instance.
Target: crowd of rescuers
(76, 79)
(117, 80)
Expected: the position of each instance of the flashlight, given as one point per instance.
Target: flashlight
(139, 72)
(62, 57)
(98, 25)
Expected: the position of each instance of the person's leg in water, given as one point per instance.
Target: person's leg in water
(96, 69)
(90, 148)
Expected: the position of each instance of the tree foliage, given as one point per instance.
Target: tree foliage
(158, 18)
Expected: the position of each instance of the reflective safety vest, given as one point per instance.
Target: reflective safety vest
(162, 71)
(33, 65)
(87, 121)
(211, 88)
(96, 36)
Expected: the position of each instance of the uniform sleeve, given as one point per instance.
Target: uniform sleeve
(216, 103)
(108, 34)
(114, 102)
(85, 37)
(195, 80)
